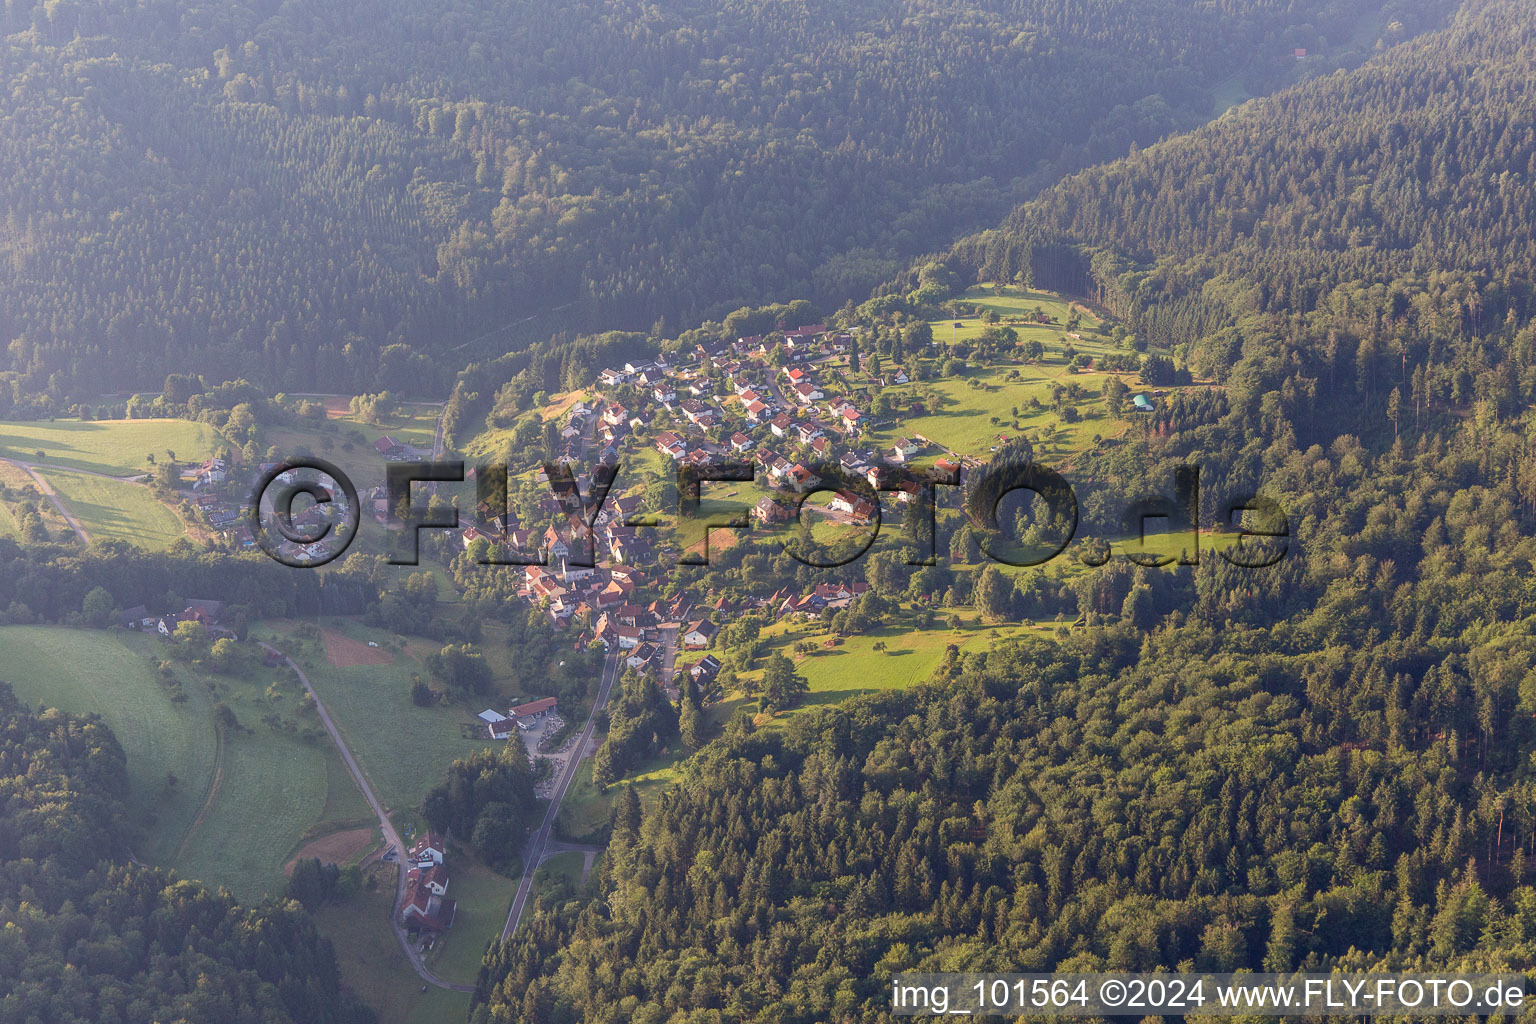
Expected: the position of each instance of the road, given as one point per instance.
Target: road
(392, 838)
(539, 846)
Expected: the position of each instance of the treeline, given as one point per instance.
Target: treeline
(42, 582)
(85, 939)
(334, 196)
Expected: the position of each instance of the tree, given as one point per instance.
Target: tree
(97, 608)
(690, 719)
(223, 653)
(1394, 409)
(782, 685)
(994, 593)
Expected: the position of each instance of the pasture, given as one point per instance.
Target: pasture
(405, 750)
(116, 509)
(242, 801)
(113, 447)
(483, 899)
(91, 671)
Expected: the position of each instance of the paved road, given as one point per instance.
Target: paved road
(391, 837)
(539, 845)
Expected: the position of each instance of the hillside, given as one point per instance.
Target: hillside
(89, 940)
(1418, 163)
(1320, 764)
(284, 194)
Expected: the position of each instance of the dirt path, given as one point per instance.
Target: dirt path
(46, 490)
(213, 794)
(391, 837)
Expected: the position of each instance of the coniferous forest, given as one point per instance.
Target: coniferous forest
(367, 194)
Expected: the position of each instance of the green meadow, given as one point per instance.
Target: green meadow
(116, 509)
(404, 749)
(114, 447)
(242, 801)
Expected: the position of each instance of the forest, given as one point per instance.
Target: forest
(87, 936)
(363, 196)
(1324, 764)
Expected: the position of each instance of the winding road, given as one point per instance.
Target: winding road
(392, 838)
(540, 848)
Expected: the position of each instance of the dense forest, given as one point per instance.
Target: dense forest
(317, 198)
(1323, 764)
(86, 937)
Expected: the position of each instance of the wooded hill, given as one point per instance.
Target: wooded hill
(287, 193)
(1320, 765)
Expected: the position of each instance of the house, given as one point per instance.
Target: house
(906, 447)
(699, 633)
(210, 474)
(757, 412)
(133, 618)
(705, 671)
(435, 879)
(1141, 403)
(801, 479)
(388, 447)
(428, 850)
(615, 415)
(860, 510)
(768, 512)
(697, 412)
(425, 909)
(806, 393)
(643, 656)
(740, 442)
(851, 418)
(781, 424)
(613, 378)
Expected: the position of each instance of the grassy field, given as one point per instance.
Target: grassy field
(84, 671)
(114, 447)
(8, 527)
(1015, 308)
(404, 749)
(242, 803)
(114, 509)
(483, 898)
(373, 964)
